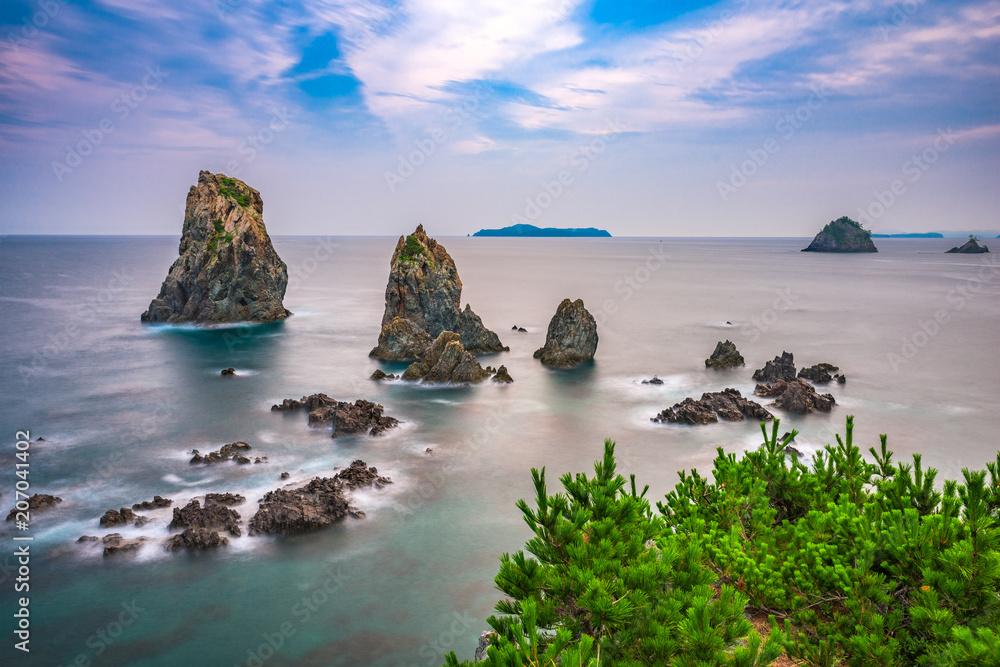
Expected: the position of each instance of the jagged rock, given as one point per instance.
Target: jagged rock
(89, 538)
(121, 517)
(840, 378)
(232, 451)
(796, 396)
(653, 380)
(423, 299)
(379, 374)
(285, 475)
(485, 640)
(725, 356)
(39, 502)
(728, 404)
(158, 502)
(318, 504)
(502, 376)
(196, 538)
(571, 337)
(969, 247)
(115, 544)
(227, 270)
(227, 499)
(213, 516)
(782, 368)
(346, 418)
(228, 371)
(518, 329)
(819, 373)
(446, 360)
(842, 235)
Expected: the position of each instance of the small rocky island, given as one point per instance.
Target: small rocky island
(344, 418)
(423, 299)
(571, 337)
(725, 356)
(532, 231)
(227, 269)
(842, 235)
(727, 404)
(779, 380)
(970, 247)
(446, 360)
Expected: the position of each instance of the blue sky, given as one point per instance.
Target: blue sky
(737, 118)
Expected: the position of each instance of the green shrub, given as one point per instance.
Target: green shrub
(228, 187)
(864, 563)
(411, 249)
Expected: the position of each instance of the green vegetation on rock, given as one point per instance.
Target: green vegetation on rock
(854, 563)
(229, 188)
(841, 229)
(221, 235)
(411, 249)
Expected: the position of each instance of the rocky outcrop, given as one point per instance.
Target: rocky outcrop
(158, 502)
(116, 544)
(970, 247)
(344, 418)
(446, 361)
(196, 538)
(725, 356)
(211, 516)
(319, 504)
(502, 376)
(842, 235)
(571, 337)
(822, 373)
(796, 396)
(727, 404)
(227, 499)
(380, 375)
(234, 451)
(122, 517)
(782, 368)
(423, 299)
(228, 372)
(39, 502)
(227, 269)
(653, 380)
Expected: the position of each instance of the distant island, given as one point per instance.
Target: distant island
(915, 235)
(531, 230)
(842, 235)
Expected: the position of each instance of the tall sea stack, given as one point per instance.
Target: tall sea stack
(842, 235)
(227, 270)
(422, 299)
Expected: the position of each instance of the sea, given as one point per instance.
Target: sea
(113, 408)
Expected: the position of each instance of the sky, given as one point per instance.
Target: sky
(645, 118)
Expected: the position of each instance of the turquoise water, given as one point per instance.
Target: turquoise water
(120, 405)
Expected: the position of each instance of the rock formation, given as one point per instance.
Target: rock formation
(122, 517)
(822, 373)
(211, 516)
(653, 380)
(228, 372)
(234, 451)
(725, 356)
(782, 368)
(345, 418)
(227, 270)
(115, 543)
(423, 299)
(37, 503)
(196, 538)
(446, 360)
(227, 499)
(318, 504)
(380, 375)
(728, 404)
(571, 337)
(970, 247)
(158, 502)
(796, 396)
(842, 235)
(502, 376)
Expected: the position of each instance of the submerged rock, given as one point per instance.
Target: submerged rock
(211, 516)
(379, 375)
(158, 502)
(781, 368)
(446, 360)
(39, 502)
(423, 299)
(228, 372)
(571, 337)
(319, 504)
(842, 235)
(653, 380)
(502, 376)
(121, 517)
(727, 404)
(725, 356)
(820, 373)
(345, 418)
(196, 538)
(796, 396)
(115, 544)
(227, 269)
(970, 247)
(227, 499)
(234, 451)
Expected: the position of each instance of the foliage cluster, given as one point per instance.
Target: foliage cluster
(843, 229)
(221, 235)
(855, 563)
(411, 249)
(229, 188)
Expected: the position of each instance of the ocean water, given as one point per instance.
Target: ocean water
(120, 405)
